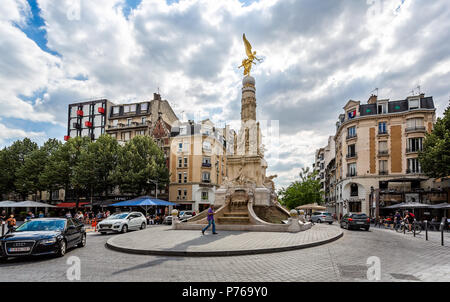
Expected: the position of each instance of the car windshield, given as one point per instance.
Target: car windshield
(118, 216)
(42, 225)
(326, 213)
(182, 213)
(359, 216)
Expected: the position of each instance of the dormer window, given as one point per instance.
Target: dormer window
(382, 108)
(414, 104)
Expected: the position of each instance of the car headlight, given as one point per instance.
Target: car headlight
(48, 241)
(117, 223)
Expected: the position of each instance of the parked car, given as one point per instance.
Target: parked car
(355, 221)
(168, 220)
(43, 236)
(122, 223)
(185, 215)
(319, 217)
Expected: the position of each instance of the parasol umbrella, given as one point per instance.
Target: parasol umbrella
(144, 202)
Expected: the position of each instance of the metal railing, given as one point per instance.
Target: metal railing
(415, 128)
(352, 155)
(351, 136)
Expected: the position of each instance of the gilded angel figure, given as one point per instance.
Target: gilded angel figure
(247, 63)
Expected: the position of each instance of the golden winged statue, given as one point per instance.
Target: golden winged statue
(247, 63)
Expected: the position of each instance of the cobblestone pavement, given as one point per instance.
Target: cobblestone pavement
(403, 258)
(164, 239)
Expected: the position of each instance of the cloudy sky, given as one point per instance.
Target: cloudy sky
(317, 54)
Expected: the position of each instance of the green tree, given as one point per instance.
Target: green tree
(140, 161)
(28, 175)
(61, 165)
(11, 161)
(92, 173)
(304, 191)
(435, 156)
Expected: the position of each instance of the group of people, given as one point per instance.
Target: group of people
(397, 219)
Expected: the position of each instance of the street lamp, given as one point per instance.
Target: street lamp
(156, 189)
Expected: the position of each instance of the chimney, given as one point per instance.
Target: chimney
(422, 95)
(373, 99)
(157, 96)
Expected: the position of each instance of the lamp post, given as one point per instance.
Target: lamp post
(156, 189)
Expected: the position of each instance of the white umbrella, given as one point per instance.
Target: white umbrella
(32, 204)
(7, 204)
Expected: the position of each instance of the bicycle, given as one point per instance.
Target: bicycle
(403, 225)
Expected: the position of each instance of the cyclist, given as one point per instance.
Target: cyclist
(409, 218)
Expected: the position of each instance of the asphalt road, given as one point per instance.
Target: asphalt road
(401, 258)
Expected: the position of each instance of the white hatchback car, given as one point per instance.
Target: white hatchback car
(123, 222)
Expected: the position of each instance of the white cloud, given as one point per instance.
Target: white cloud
(10, 133)
(318, 54)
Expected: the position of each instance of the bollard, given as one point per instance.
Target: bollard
(414, 227)
(404, 228)
(3, 228)
(442, 233)
(426, 230)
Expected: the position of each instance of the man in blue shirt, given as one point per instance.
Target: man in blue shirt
(210, 220)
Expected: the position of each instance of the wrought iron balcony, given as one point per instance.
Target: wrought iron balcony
(351, 136)
(352, 155)
(383, 152)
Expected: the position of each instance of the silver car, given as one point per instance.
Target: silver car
(123, 222)
(320, 217)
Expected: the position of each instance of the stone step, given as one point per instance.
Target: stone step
(233, 220)
(236, 214)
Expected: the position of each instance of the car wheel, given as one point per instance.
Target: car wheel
(347, 227)
(319, 221)
(83, 241)
(330, 222)
(103, 233)
(125, 229)
(3, 258)
(367, 229)
(62, 248)
(143, 226)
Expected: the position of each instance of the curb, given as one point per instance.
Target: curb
(221, 253)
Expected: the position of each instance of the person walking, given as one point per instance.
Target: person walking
(11, 222)
(210, 221)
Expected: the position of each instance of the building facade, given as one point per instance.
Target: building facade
(198, 164)
(377, 147)
(88, 119)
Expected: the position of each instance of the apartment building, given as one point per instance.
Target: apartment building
(377, 147)
(197, 163)
(88, 119)
(153, 118)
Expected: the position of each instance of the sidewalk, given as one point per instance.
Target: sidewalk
(433, 236)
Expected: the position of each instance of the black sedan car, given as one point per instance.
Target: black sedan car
(355, 221)
(44, 236)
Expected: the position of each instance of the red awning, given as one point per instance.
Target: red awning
(70, 204)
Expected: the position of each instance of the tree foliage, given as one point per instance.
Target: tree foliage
(435, 156)
(304, 191)
(85, 168)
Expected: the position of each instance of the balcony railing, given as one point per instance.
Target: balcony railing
(383, 133)
(383, 152)
(384, 172)
(351, 136)
(409, 171)
(415, 129)
(352, 155)
(352, 174)
(206, 165)
(413, 150)
(206, 181)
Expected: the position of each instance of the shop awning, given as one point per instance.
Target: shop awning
(71, 204)
(444, 205)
